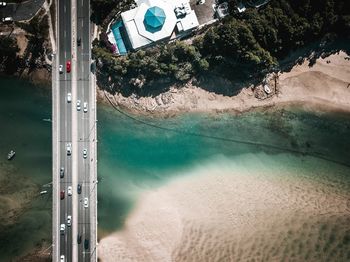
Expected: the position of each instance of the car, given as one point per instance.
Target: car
(70, 191)
(68, 66)
(62, 229)
(78, 105)
(62, 258)
(3, 4)
(69, 221)
(86, 243)
(84, 153)
(69, 149)
(79, 188)
(62, 172)
(62, 194)
(79, 239)
(7, 19)
(79, 41)
(200, 2)
(60, 69)
(86, 202)
(69, 97)
(85, 107)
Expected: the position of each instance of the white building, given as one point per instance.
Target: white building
(156, 20)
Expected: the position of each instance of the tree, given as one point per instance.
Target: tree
(8, 55)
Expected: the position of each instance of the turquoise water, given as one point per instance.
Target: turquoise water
(118, 37)
(134, 157)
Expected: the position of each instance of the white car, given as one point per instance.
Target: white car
(86, 202)
(69, 149)
(62, 258)
(85, 107)
(7, 19)
(69, 97)
(78, 105)
(84, 153)
(70, 191)
(200, 2)
(62, 229)
(3, 4)
(60, 69)
(69, 221)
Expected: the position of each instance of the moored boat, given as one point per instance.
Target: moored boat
(11, 155)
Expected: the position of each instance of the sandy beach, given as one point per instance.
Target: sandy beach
(226, 212)
(325, 84)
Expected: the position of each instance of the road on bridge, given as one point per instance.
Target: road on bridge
(74, 136)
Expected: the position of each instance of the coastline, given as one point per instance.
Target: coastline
(325, 86)
(226, 210)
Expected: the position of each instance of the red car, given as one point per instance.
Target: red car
(68, 66)
(62, 194)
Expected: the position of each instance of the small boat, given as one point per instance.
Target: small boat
(47, 120)
(11, 155)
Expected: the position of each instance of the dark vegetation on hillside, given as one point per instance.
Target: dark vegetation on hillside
(242, 48)
(37, 32)
(8, 55)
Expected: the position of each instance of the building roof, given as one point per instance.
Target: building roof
(169, 20)
(154, 20)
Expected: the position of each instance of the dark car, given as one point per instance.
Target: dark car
(79, 239)
(86, 244)
(62, 172)
(62, 194)
(79, 188)
(79, 41)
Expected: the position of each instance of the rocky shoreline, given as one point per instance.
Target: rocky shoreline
(324, 85)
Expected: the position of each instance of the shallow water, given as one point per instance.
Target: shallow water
(25, 216)
(134, 157)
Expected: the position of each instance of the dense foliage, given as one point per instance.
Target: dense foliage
(8, 54)
(242, 46)
(37, 31)
(104, 10)
(285, 25)
(178, 61)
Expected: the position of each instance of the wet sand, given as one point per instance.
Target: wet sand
(227, 212)
(245, 210)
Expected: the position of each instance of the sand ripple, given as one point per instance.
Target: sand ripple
(219, 214)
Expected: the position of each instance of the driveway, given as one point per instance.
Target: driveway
(204, 12)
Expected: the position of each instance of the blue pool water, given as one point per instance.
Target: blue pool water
(118, 38)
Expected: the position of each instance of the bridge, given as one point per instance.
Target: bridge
(74, 170)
